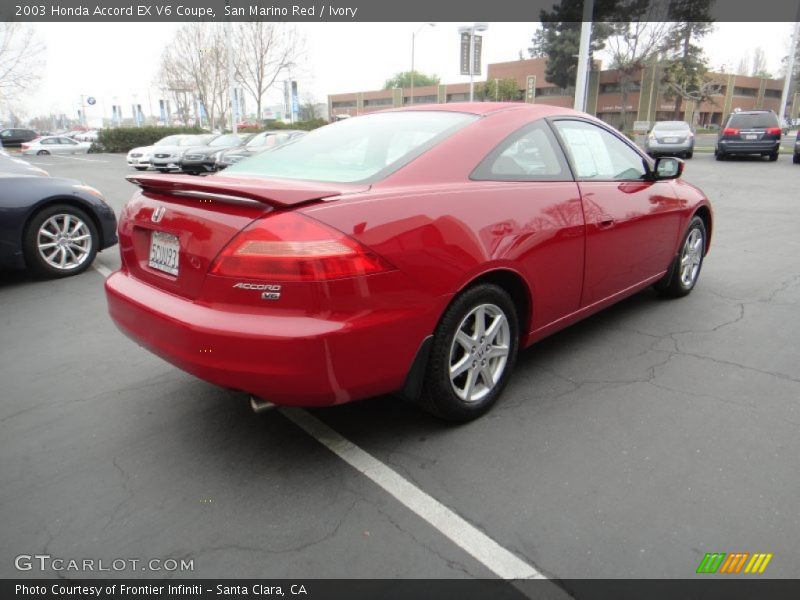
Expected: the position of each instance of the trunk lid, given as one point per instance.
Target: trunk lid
(172, 230)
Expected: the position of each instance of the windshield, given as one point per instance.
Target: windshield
(230, 139)
(670, 125)
(170, 140)
(195, 140)
(361, 149)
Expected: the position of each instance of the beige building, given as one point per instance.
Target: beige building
(645, 101)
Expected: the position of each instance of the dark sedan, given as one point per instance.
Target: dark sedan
(203, 159)
(16, 137)
(266, 140)
(54, 227)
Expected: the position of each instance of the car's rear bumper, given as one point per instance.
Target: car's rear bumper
(655, 147)
(740, 147)
(285, 358)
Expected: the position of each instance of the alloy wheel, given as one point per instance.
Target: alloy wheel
(64, 241)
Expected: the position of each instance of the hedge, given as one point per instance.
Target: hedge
(123, 139)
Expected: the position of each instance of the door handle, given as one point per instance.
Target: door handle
(605, 221)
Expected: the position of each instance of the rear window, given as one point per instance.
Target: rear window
(753, 121)
(362, 149)
(670, 126)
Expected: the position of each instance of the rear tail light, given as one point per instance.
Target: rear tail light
(730, 131)
(774, 131)
(292, 247)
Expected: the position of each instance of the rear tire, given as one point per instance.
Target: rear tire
(473, 354)
(796, 159)
(685, 269)
(773, 157)
(719, 155)
(689, 155)
(42, 153)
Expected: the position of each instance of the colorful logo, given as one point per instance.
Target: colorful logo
(720, 562)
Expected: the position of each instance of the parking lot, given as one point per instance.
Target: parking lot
(627, 446)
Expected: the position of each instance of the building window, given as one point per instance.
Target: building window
(609, 88)
(554, 91)
(772, 93)
(457, 97)
(378, 102)
(344, 104)
(743, 91)
(431, 99)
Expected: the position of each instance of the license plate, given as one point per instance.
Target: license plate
(164, 252)
(670, 140)
(751, 137)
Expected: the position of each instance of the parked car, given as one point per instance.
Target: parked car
(796, 155)
(749, 132)
(55, 145)
(168, 158)
(52, 226)
(412, 250)
(261, 142)
(203, 159)
(670, 138)
(16, 137)
(15, 166)
(139, 158)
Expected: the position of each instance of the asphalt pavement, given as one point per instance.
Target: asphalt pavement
(628, 445)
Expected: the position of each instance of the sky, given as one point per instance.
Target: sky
(117, 62)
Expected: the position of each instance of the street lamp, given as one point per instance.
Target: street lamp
(413, 38)
(471, 29)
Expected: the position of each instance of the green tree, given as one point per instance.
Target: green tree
(403, 80)
(559, 38)
(499, 90)
(686, 67)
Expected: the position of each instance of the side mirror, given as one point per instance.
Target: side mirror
(668, 167)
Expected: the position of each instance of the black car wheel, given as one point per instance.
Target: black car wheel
(42, 153)
(685, 270)
(719, 155)
(773, 156)
(473, 353)
(140, 168)
(689, 154)
(60, 240)
(796, 159)
(162, 170)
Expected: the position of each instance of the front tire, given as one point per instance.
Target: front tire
(685, 270)
(60, 240)
(140, 168)
(473, 354)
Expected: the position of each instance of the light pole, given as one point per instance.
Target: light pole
(413, 38)
(471, 31)
(583, 56)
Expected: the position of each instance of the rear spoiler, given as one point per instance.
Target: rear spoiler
(273, 192)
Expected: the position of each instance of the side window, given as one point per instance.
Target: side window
(5, 133)
(48, 141)
(598, 154)
(67, 141)
(528, 154)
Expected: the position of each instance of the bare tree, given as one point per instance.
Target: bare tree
(744, 65)
(636, 44)
(759, 67)
(20, 58)
(178, 90)
(196, 60)
(264, 51)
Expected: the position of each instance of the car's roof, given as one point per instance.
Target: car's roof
(485, 108)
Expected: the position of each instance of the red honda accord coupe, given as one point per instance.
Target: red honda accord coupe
(412, 251)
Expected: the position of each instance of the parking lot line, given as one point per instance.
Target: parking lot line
(466, 536)
(104, 271)
(78, 158)
(469, 538)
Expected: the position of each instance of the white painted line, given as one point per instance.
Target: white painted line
(492, 555)
(104, 271)
(466, 536)
(76, 158)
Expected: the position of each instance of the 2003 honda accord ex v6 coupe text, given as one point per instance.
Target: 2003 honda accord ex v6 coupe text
(412, 251)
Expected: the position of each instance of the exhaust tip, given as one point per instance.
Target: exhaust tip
(258, 405)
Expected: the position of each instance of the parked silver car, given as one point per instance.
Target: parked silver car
(670, 138)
